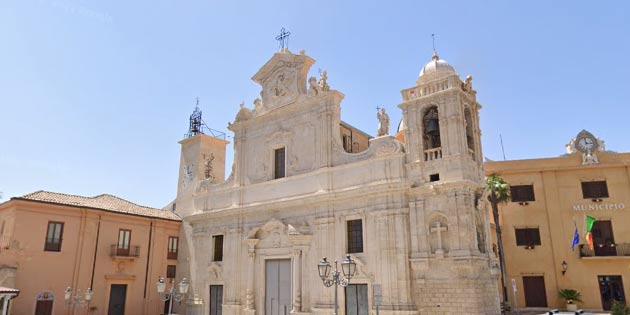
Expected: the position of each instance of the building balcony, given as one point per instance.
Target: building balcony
(433, 154)
(605, 250)
(171, 255)
(122, 252)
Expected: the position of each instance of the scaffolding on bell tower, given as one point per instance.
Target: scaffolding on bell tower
(197, 126)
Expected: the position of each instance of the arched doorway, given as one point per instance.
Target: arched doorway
(44, 304)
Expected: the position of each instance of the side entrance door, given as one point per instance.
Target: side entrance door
(534, 288)
(278, 287)
(216, 299)
(117, 298)
(357, 299)
(44, 308)
(611, 289)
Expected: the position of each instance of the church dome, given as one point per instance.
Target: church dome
(436, 65)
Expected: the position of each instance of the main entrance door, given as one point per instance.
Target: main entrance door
(611, 289)
(534, 288)
(357, 299)
(117, 298)
(278, 287)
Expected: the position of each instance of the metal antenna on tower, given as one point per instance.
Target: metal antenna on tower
(197, 126)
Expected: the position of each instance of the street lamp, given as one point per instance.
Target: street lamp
(348, 267)
(76, 300)
(172, 295)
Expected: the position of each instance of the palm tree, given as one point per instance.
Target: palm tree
(499, 192)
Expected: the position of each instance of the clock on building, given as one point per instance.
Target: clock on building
(585, 142)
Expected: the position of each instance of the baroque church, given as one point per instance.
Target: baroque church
(304, 185)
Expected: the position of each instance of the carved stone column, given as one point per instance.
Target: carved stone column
(251, 263)
(296, 277)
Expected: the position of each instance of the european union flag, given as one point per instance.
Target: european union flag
(576, 237)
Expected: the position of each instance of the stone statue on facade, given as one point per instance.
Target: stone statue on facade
(313, 87)
(258, 105)
(323, 81)
(208, 171)
(467, 85)
(244, 113)
(383, 123)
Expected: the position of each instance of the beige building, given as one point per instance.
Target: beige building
(548, 196)
(52, 241)
(300, 189)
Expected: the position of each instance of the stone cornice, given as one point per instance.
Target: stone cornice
(315, 199)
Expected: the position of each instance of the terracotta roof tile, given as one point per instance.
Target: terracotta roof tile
(104, 202)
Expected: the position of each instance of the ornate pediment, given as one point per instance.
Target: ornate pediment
(274, 234)
(283, 79)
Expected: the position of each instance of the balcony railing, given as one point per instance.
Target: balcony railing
(171, 255)
(433, 154)
(605, 250)
(129, 251)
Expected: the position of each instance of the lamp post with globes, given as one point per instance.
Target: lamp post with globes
(172, 295)
(348, 267)
(76, 300)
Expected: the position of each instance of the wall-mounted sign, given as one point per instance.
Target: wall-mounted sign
(599, 206)
(377, 289)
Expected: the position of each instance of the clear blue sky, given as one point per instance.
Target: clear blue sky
(94, 95)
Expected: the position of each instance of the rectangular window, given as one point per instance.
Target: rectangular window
(279, 171)
(173, 242)
(355, 236)
(522, 193)
(171, 271)
(217, 241)
(527, 237)
(53, 237)
(594, 190)
(124, 238)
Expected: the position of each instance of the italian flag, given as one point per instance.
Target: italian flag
(589, 226)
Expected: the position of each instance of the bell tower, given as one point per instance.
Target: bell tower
(202, 161)
(441, 120)
(448, 226)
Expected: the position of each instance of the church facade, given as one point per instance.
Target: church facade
(407, 208)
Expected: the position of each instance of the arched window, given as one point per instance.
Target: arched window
(469, 128)
(431, 129)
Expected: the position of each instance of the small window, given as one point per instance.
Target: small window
(217, 241)
(279, 166)
(594, 190)
(355, 236)
(173, 243)
(522, 193)
(434, 177)
(53, 237)
(527, 237)
(171, 271)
